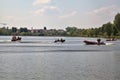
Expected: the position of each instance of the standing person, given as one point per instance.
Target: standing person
(98, 41)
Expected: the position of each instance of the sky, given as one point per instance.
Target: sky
(58, 14)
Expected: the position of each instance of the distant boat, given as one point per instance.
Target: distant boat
(16, 39)
(93, 43)
(59, 40)
(112, 39)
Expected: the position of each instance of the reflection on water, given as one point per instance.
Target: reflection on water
(38, 58)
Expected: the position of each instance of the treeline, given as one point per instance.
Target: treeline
(13, 31)
(23, 31)
(106, 30)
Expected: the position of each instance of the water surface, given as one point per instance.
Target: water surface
(39, 58)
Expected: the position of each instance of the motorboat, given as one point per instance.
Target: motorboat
(14, 38)
(59, 40)
(112, 39)
(93, 43)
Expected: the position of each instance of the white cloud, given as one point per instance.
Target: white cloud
(69, 15)
(36, 2)
(107, 10)
(42, 10)
(39, 11)
(9, 17)
(14, 18)
(103, 15)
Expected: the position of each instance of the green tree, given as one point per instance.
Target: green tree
(115, 31)
(5, 31)
(117, 22)
(23, 30)
(108, 28)
(14, 29)
(72, 31)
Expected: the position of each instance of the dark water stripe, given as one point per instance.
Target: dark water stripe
(55, 51)
(46, 45)
(28, 46)
(25, 42)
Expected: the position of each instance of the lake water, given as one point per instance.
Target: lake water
(39, 58)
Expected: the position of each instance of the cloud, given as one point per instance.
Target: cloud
(106, 11)
(44, 9)
(69, 15)
(9, 17)
(36, 2)
(103, 14)
(14, 18)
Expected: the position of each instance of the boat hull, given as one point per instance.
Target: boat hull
(93, 43)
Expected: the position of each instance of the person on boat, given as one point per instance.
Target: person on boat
(57, 40)
(14, 38)
(62, 40)
(98, 41)
(18, 38)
